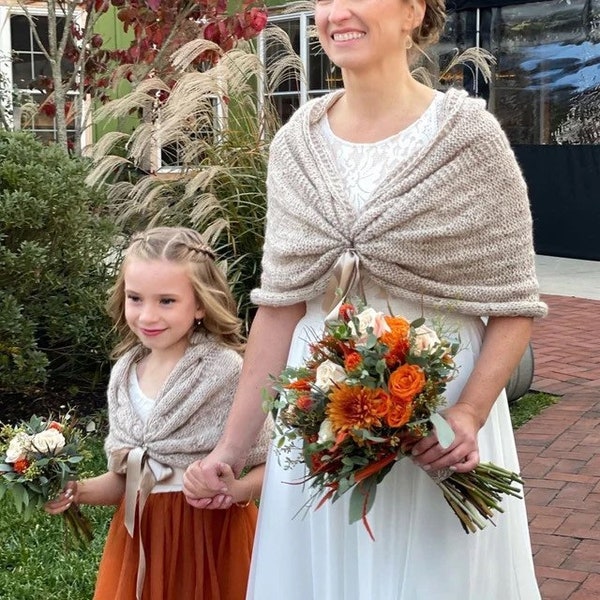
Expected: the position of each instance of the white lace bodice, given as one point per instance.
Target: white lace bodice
(363, 166)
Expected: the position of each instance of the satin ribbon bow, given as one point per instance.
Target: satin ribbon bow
(140, 481)
(345, 278)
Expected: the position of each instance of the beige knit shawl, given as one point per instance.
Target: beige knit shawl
(451, 227)
(189, 414)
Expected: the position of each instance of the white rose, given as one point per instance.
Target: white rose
(425, 340)
(325, 432)
(49, 440)
(369, 318)
(329, 373)
(18, 447)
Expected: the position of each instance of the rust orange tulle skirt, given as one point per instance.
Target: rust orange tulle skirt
(191, 554)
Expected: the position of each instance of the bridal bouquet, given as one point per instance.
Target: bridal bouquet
(370, 390)
(37, 458)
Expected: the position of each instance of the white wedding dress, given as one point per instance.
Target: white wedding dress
(420, 550)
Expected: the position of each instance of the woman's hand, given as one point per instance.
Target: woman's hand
(206, 483)
(462, 455)
(64, 500)
(504, 342)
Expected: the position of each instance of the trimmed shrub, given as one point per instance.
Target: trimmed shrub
(55, 238)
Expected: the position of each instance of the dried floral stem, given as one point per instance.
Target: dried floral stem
(79, 525)
(474, 496)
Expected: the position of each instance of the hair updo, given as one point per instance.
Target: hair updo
(433, 23)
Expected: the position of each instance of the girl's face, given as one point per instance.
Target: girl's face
(359, 34)
(160, 304)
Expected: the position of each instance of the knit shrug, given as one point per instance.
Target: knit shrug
(449, 228)
(189, 413)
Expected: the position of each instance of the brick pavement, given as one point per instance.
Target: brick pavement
(560, 452)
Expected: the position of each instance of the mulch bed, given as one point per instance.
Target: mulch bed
(15, 407)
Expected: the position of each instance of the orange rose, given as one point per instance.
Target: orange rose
(399, 413)
(406, 382)
(55, 425)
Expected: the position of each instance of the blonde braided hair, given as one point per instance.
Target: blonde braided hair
(185, 246)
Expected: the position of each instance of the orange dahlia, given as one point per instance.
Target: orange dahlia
(356, 407)
(397, 339)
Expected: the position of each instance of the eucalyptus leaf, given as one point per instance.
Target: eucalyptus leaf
(362, 499)
(444, 432)
(371, 339)
(345, 485)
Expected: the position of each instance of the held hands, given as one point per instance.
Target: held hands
(67, 497)
(209, 485)
(463, 454)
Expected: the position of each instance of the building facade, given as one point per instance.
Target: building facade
(544, 90)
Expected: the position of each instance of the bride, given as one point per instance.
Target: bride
(420, 194)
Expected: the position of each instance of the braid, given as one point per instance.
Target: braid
(202, 249)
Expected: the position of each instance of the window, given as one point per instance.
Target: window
(548, 55)
(202, 129)
(545, 87)
(322, 75)
(23, 66)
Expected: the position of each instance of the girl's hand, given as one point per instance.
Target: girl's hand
(462, 455)
(67, 497)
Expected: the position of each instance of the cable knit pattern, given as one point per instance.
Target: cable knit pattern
(450, 227)
(189, 414)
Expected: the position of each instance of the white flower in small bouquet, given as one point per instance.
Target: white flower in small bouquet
(372, 388)
(37, 458)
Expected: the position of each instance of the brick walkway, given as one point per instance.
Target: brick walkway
(560, 452)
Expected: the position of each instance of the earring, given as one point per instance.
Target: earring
(198, 323)
(409, 42)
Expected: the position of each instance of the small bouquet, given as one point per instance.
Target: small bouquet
(370, 390)
(37, 458)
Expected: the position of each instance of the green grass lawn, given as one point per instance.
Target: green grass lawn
(530, 405)
(35, 564)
